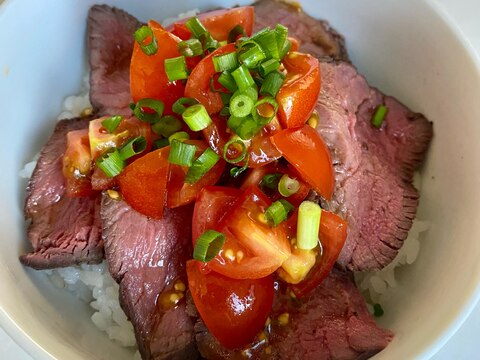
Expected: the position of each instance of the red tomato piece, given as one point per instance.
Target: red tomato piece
(181, 193)
(332, 233)
(299, 93)
(148, 78)
(219, 22)
(198, 83)
(77, 164)
(100, 180)
(234, 311)
(305, 150)
(143, 183)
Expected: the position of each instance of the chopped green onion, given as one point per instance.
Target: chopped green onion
(236, 171)
(142, 37)
(227, 81)
(272, 84)
(167, 125)
(252, 55)
(285, 48)
(278, 212)
(212, 85)
(180, 136)
(156, 105)
(235, 33)
(111, 163)
(281, 33)
(225, 111)
(222, 43)
(111, 123)
(196, 117)
(240, 157)
(201, 166)
(270, 181)
(243, 78)
(133, 147)
(225, 62)
(241, 104)
(176, 68)
(378, 310)
(226, 98)
(181, 153)
(179, 107)
(268, 42)
(209, 43)
(264, 110)
(245, 127)
(196, 27)
(190, 47)
(379, 116)
(208, 245)
(268, 66)
(288, 186)
(308, 224)
(160, 143)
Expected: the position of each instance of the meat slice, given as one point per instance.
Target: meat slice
(63, 231)
(373, 168)
(316, 36)
(332, 323)
(110, 43)
(146, 257)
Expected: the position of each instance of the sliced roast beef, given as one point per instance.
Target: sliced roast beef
(373, 167)
(146, 257)
(332, 323)
(110, 42)
(63, 231)
(316, 36)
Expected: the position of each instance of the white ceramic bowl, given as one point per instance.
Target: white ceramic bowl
(406, 48)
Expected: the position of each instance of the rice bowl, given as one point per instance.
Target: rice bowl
(413, 308)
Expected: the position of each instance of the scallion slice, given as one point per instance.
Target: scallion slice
(264, 110)
(225, 62)
(281, 33)
(196, 27)
(379, 116)
(201, 166)
(236, 171)
(268, 66)
(179, 107)
(209, 43)
(181, 153)
(308, 224)
(166, 126)
(208, 245)
(156, 105)
(196, 117)
(225, 111)
(147, 40)
(160, 143)
(241, 104)
(288, 186)
(272, 84)
(227, 81)
(190, 48)
(111, 163)
(235, 33)
(268, 42)
(180, 136)
(111, 123)
(251, 55)
(378, 310)
(176, 68)
(285, 48)
(243, 78)
(278, 212)
(245, 127)
(225, 98)
(133, 147)
(270, 181)
(233, 146)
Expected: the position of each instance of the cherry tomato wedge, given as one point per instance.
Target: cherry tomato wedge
(305, 150)
(219, 22)
(181, 193)
(299, 93)
(77, 164)
(252, 249)
(198, 83)
(234, 311)
(148, 78)
(332, 234)
(143, 183)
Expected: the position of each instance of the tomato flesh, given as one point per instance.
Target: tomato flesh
(234, 311)
(299, 93)
(305, 150)
(77, 164)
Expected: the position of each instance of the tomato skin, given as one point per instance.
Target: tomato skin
(148, 78)
(234, 311)
(219, 22)
(180, 193)
(198, 83)
(77, 164)
(299, 93)
(143, 183)
(305, 150)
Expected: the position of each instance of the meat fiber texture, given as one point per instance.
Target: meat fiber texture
(63, 231)
(332, 323)
(146, 256)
